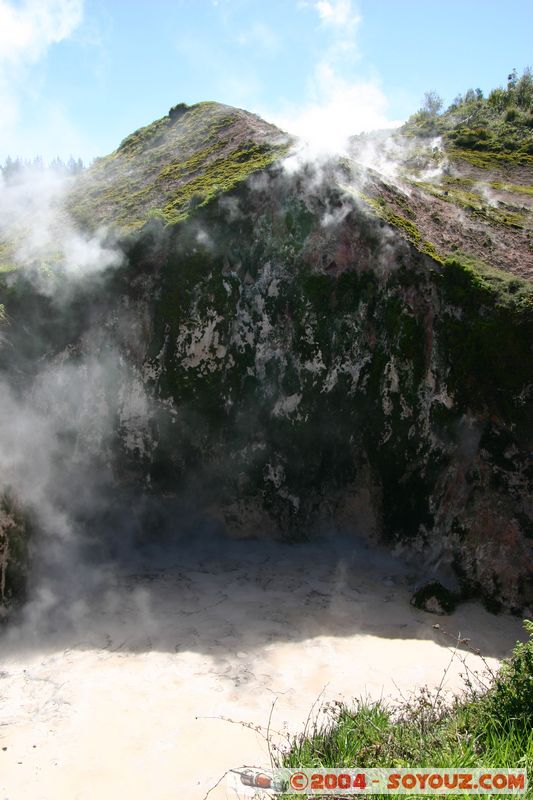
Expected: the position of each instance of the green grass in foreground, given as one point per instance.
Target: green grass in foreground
(491, 725)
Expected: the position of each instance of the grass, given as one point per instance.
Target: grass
(471, 284)
(485, 160)
(216, 177)
(454, 192)
(489, 726)
(513, 188)
(463, 182)
(403, 224)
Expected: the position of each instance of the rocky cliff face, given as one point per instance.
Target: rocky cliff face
(291, 353)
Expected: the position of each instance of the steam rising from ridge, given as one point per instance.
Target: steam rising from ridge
(38, 231)
(337, 110)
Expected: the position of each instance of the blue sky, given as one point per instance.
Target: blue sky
(76, 76)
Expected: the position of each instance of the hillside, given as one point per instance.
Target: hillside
(447, 196)
(178, 162)
(462, 179)
(449, 191)
(452, 193)
(280, 346)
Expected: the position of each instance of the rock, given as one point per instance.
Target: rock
(14, 534)
(434, 598)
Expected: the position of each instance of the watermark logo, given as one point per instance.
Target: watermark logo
(411, 781)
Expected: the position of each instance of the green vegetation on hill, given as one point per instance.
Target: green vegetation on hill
(491, 726)
(499, 126)
(175, 164)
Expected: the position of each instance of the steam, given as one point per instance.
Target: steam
(65, 393)
(339, 102)
(488, 196)
(398, 159)
(56, 458)
(40, 235)
(337, 109)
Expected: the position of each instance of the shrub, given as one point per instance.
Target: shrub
(510, 700)
(177, 111)
(523, 91)
(498, 99)
(475, 138)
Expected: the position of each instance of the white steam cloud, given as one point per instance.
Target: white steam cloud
(56, 440)
(338, 109)
(66, 388)
(60, 409)
(337, 106)
(40, 234)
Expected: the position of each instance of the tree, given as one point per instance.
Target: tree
(57, 165)
(432, 103)
(523, 90)
(11, 168)
(74, 167)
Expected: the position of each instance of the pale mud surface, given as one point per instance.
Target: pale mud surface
(121, 696)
